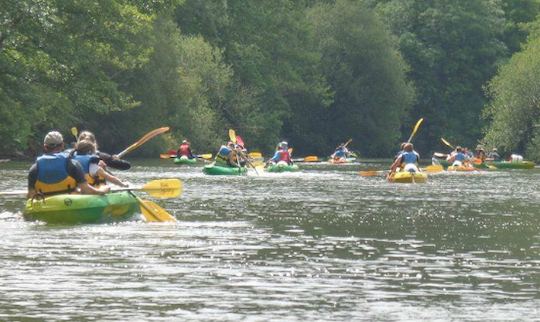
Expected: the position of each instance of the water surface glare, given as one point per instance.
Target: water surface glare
(320, 244)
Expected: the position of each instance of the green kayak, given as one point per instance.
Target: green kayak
(213, 169)
(512, 165)
(75, 209)
(183, 160)
(282, 168)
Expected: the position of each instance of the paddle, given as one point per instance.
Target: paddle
(75, 132)
(309, 158)
(162, 188)
(415, 129)
(447, 143)
(152, 212)
(143, 140)
(238, 140)
(372, 173)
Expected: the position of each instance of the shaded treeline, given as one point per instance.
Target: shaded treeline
(315, 73)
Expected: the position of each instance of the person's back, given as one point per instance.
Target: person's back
(223, 155)
(185, 150)
(95, 174)
(55, 172)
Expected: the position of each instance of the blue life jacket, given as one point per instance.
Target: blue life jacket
(224, 152)
(340, 153)
(85, 160)
(409, 157)
(52, 174)
(460, 157)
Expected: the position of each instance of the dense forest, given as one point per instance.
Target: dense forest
(313, 72)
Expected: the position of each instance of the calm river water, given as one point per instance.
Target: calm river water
(320, 244)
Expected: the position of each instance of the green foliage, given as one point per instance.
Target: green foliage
(514, 110)
(453, 48)
(366, 73)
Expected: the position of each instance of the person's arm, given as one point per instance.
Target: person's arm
(75, 170)
(110, 178)
(32, 178)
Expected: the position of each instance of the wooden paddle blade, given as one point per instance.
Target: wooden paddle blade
(371, 173)
(311, 158)
(154, 213)
(232, 136)
(143, 140)
(163, 188)
(347, 143)
(165, 156)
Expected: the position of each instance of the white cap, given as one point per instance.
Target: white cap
(53, 139)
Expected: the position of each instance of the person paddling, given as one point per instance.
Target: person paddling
(341, 153)
(494, 155)
(85, 153)
(479, 155)
(55, 173)
(282, 155)
(225, 156)
(457, 158)
(184, 151)
(407, 160)
(110, 160)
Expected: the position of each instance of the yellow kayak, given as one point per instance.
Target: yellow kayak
(408, 177)
(461, 168)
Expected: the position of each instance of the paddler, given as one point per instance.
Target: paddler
(479, 155)
(85, 153)
(225, 157)
(110, 160)
(457, 158)
(184, 151)
(340, 153)
(494, 155)
(54, 172)
(407, 160)
(282, 155)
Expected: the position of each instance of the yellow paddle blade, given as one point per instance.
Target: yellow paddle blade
(371, 173)
(447, 143)
(415, 129)
(258, 163)
(311, 158)
(163, 188)
(143, 140)
(206, 156)
(255, 155)
(154, 213)
(75, 132)
(434, 168)
(232, 136)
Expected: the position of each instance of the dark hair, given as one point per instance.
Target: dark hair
(85, 147)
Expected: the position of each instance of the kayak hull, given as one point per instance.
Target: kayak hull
(82, 209)
(460, 168)
(512, 165)
(408, 177)
(212, 169)
(282, 168)
(185, 161)
(341, 160)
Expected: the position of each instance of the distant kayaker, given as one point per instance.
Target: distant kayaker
(341, 152)
(185, 150)
(480, 154)
(110, 160)
(457, 157)
(493, 155)
(54, 172)
(225, 156)
(407, 160)
(85, 153)
(282, 155)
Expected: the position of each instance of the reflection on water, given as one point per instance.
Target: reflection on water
(321, 244)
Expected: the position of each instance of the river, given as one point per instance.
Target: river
(320, 244)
